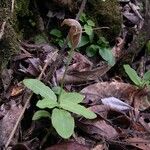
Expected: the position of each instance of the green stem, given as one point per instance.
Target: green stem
(63, 78)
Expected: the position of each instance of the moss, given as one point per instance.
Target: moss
(106, 14)
(26, 14)
(9, 42)
(22, 7)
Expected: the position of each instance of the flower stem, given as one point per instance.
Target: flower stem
(63, 78)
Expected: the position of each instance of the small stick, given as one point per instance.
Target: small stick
(12, 6)
(2, 29)
(66, 69)
(81, 9)
(46, 65)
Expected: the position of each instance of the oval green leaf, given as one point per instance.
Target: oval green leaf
(56, 32)
(107, 55)
(63, 123)
(40, 88)
(84, 41)
(90, 23)
(40, 114)
(46, 103)
(88, 29)
(133, 75)
(147, 76)
(78, 109)
(71, 96)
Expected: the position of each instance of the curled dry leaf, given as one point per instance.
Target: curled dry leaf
(98, 129)
(116, 104)
(75, 31)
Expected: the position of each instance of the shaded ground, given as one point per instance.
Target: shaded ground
(122, 108)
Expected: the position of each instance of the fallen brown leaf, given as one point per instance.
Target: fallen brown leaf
(68, 146)
(8, 121)
(98, 129)
(17, 90)
(94, 93)
(139, 143)
(80, 63)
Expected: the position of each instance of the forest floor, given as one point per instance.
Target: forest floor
(78, 83)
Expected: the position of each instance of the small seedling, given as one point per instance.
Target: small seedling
(138, 81)
(66, 102)
(69, 102)
(93, 46)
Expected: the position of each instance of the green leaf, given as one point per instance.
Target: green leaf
(63, 123)
(92, 50)
(133, 75)
(46, 103)
(145, 82)
(57, 89)
(61, 43)
(90, 23)
(72, 97)
(40, 114)
(107, 55)
(40, 88)
(88, 29)
(77, 109)
(84, 41)
(102, 42)
(147, 76)
(83, 17)
(56, 33)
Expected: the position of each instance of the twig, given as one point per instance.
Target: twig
(81, 9)
(66, 69)
(98, 28)
(46, 65)
(2, 29)
(18, 121)
(26, 104)
(12, 6)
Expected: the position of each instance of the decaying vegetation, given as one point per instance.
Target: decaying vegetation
(74, 74)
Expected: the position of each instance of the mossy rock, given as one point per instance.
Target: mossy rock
(106, 14)
(9, 44)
